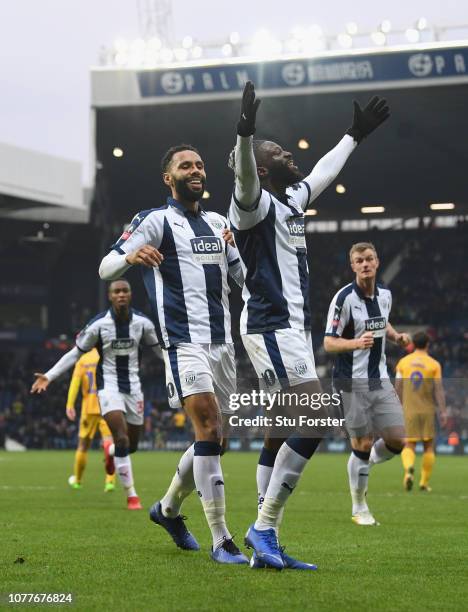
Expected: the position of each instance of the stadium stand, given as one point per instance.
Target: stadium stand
(430, 291)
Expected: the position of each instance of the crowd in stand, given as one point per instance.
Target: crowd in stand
(430, 290)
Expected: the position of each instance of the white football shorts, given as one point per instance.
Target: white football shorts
(200, 368)
(131, 405)
(282, 358)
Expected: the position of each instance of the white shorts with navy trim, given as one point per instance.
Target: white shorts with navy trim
(131, 405)
(282, 358)
(200, 368)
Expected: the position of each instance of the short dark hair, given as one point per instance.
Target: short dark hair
(118, 280)
(169, 154)
(420, 340)
(257, 151)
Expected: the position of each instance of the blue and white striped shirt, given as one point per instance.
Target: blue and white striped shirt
(119, 345)
(189, 290)
(272, 249)
(351, 314)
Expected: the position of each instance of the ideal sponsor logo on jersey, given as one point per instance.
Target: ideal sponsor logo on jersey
(376, 325)
(296, 232)
(207, 249)
(122, 346)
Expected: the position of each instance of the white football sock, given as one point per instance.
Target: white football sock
(358, 474)
(380, 453)
(181, 486)
(209, 483)
(123, 465)
(264, 473)
(286, 473)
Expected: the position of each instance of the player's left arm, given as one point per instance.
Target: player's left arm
(439, 395)
(365, 121)
(401, 339)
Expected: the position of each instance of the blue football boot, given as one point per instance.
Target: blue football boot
(289, 562)
(229, 553)
(265, 544)
(175, 527)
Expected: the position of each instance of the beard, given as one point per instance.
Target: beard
(287, 175)
(187, 193)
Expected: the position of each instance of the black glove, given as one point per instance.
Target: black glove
(368, 119)
(249, 108)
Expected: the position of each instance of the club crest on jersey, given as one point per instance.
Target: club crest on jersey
(376, 325)
(217, 224)
(296, 232)
(122, 346)
(190, 377)
(207, 249)
(301, 367)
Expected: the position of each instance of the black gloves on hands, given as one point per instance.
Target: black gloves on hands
(369, 118)
(249, 108)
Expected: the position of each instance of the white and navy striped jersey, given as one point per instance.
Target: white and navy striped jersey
(349, 316)
(271, 241)
(119, 345)
(189, 291)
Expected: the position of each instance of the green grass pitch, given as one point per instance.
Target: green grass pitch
(86, 541)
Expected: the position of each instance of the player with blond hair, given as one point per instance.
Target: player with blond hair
(357, 328)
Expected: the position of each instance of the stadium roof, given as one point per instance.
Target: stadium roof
(416, 159)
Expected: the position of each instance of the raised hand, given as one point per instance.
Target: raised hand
(249, 108)
(368, 119)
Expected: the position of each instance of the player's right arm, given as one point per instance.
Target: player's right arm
(136, 246)
(338, 318)
(85, 341)
(63, 364)
(344, 345)
(247, 184)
